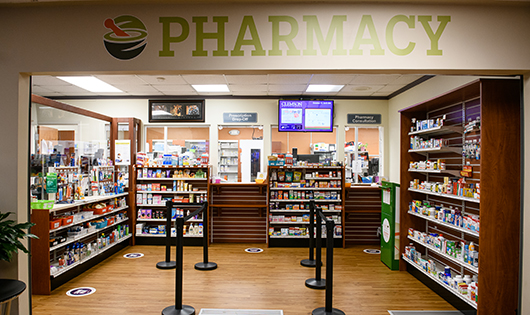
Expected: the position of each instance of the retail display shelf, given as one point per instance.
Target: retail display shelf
(440, 282)
(170, 192)
(323, 178)
(300, 211)
(474, 233)
(306, 200)
(77, 238)
(171, 178)
(163, 204)
(451, 258)
(164, 235)
(451, 172)
(428, 192)
(438, 131)
(88, 219)
(229, 164)
(293, 222)
(304, 188)
(99, 252)
(457, 150)
(85, 201)
(296, 236)
(305, 167)
(164, 220)
(228, 172)
(227, 148)
(224, 155)
(174, 166)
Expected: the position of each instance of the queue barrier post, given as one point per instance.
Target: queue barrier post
(317, 282)
(168, 264)
(311, 262)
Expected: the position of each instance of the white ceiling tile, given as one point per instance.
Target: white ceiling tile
(391, 88)
(355, 93)
(215, 93)
(289, 78)
(170, 93)
(153, 92)
(287, 87)
(120, 79)
(248, 88)
(384, 94)
(174, 88)
(48, 94)
(131, 89)
(332, 78)
(406, 79)
(204, 79)
(364, 88)
(247, 79)
(369, 79)
(36, 89)
(162, 79)
(248, 93)
(66, 89)
(290, 93)
(47, 80)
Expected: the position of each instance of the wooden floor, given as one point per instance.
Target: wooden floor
(273, 279)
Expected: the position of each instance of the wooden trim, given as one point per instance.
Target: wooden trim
(69, 108)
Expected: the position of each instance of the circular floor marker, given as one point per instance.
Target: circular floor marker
(79, 292)
(372, 251)
(253, 250)
(133, 255)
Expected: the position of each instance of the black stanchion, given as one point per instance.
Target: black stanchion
(167, 264)
(205, 264)
(311, 262)
(317, 282)
(178, 308)
(328, 309)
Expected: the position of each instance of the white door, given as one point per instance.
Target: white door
(252, 159)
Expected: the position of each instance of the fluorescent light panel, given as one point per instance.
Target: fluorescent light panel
(210, 88)
(90, 83)
(323, 88)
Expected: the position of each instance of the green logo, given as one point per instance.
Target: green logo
(127, 38)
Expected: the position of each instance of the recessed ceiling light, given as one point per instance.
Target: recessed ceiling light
(90, 83)
(211, 87)
(323, 88)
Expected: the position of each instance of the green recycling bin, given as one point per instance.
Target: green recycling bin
(390, 225)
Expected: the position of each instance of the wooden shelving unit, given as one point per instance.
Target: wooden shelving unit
(43, 280)
(497, 102)
(200, 184)
(324, 174)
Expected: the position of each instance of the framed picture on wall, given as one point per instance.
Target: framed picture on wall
(176, 111)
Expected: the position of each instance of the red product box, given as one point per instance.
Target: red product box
(54, 224)
(67, 220)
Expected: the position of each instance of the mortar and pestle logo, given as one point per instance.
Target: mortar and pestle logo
(127, 38)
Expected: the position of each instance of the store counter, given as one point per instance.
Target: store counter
(239, 212)
(362, 214)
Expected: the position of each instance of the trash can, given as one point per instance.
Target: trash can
(390, 225)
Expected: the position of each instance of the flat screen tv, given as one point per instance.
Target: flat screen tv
(315, 116)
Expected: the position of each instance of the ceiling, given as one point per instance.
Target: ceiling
(355, 85)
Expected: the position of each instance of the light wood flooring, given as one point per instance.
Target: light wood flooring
(272, 279)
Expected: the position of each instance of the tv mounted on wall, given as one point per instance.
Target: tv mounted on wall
(297, 115)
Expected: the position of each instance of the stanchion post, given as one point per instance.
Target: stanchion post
(167, 264)
(311, 261)
(328, 309)
(317, 282)
(178, 308)
(205, 265)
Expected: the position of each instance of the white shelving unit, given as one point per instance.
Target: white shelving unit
(228, 163)
(428, 192)
(425, 217)
(304, 188)
(438, 131)
(450, 172)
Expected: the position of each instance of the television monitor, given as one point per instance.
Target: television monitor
(297, 115)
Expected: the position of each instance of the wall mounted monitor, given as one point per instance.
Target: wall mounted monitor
(296, 115)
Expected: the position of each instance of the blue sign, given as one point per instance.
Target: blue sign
(240, 117)
(253, 250)
(133, 255)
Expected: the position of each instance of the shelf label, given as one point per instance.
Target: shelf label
(364, 119)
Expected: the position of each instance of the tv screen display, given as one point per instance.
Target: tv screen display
(316, 116)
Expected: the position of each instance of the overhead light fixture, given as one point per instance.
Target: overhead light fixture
(202, 88)
(90, 83)
(323, 88)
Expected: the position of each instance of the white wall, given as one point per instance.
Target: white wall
(267, 110)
